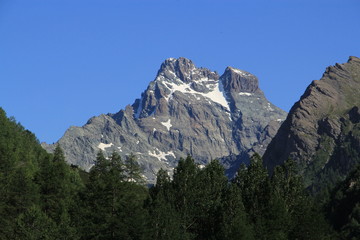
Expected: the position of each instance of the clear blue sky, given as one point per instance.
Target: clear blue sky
(64, 61)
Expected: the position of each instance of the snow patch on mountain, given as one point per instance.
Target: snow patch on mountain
(215, 94)
(269, 107)
(241, 73)
(161, 155)
(167, 124)
(245, 94)
(102, 146)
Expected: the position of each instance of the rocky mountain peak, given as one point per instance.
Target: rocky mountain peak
(183, 69)
(185, 110)
(176, 77)
(175, 63)
(236, 80)
(354, 59)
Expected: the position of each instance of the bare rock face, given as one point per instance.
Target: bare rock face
(185, 110)
(240, 81)
(321, 124)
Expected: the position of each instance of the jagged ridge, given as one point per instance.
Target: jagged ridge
(185, 110)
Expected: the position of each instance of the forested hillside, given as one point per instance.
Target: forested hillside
(39, 192)
(41, 197)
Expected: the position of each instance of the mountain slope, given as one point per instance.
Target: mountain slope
(343, 208)
(185, 110)
(321, 131)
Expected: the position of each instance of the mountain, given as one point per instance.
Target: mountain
(322, 130)
(185, 110)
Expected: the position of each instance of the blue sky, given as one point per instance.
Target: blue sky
(64, 61)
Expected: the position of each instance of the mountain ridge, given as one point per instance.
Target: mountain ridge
(319, 126)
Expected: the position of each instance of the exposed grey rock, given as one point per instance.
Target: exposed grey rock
(185, 110)
(321, 130)
(236, 80)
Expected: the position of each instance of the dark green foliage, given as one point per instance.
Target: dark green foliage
(233, 222)
(351, 230)
(344, 206)
(309, 223)
(34, 224)
(335, 158)
(184, 185)
(211, 182)
(34, 187)
(113, 206)
(165, 220)
(202, 203)
(133, 170)
(253, 182)
(301, 217)
(59, 187)
(278, 207)
(19, 152)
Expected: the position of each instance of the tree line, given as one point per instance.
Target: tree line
(42, 197)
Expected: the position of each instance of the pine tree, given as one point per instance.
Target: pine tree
(211, 183)
(276, 219)
(34, 224)
(59, 190)
(287, 194)
(17, 195)
(184, 185)
(165, 220)
(133, 170)
(293, 213)
(288, 185)
(254, 185)
(98, 202)
(19, 155)
(234, 223)
(113, 207)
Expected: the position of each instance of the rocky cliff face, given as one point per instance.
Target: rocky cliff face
(185, 110)
(321, 131)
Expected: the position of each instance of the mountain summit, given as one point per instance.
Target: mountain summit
(185, 110)
(238, 81)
